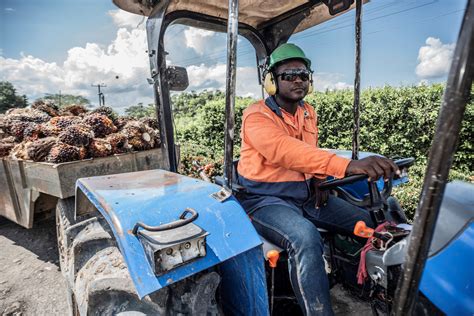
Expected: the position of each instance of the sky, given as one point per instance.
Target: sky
(47, 46)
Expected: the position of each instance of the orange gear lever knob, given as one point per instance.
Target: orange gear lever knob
(361, 230)
(273, 256)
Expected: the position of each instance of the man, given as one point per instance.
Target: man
(280, 160)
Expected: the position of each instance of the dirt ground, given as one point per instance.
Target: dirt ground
(31, 282)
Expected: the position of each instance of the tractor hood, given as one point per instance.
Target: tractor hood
(156, 197)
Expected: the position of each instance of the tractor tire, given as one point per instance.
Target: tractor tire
(99, 282)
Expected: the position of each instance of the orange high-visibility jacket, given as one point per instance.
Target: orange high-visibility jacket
(279, 155)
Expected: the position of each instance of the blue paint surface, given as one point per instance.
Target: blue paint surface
(448, 278)
(243, 289)
(156, 197)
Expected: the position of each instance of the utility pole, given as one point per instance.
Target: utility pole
(101, 95)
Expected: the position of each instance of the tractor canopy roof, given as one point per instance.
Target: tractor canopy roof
(256, 14)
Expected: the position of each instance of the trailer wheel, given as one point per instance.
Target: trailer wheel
(64, 219)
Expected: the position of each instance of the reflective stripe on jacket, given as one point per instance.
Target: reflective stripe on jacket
(278, 157)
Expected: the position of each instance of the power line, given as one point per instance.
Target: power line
(319, 32)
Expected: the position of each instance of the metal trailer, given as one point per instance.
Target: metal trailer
(31, 190)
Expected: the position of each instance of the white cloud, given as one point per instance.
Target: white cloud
(9, 9)
(434, 59)
(214, 78)
(328, 81)
(124, 57)
(123, 18)
(198, 39)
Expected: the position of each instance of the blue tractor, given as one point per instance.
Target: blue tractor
(159, 243)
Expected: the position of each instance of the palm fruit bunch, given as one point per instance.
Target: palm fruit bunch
(32, 132)
(107, 111)
(59, 123)
(101, 125)
(73, 110)
(99, 147)
(17, 129)
(119, 143)
(44, 133)
(150, 122)
(47, 107)
(139, 135)
(121, 121)
(76, 135)
(23, 122)
(61, 152)
(20, 151)
(40, 149)
(153, 123)
(6, 145)
(27, 115)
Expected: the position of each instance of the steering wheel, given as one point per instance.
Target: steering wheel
(376, 198)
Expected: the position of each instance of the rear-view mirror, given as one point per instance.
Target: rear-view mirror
(177, 78)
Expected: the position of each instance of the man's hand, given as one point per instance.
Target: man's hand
(373, 166)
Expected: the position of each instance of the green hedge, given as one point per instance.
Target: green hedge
(393, 122)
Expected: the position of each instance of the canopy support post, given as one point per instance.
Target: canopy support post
(355, 109)
(232, 32)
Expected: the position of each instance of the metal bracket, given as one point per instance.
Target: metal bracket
(222, 195)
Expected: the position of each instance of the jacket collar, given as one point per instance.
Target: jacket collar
(271, 103)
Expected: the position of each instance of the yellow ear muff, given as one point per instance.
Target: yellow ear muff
(310, 88)
(269, 84)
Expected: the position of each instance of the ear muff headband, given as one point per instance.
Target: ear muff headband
(270, 86)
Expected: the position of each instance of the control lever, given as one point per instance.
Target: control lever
(361, 230)
(272, 257)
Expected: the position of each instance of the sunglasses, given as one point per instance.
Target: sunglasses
(291, 75)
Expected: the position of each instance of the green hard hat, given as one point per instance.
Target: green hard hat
(287, 51)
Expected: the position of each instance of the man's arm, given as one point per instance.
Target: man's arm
(279, 148)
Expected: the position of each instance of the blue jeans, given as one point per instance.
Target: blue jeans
(296, 232)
